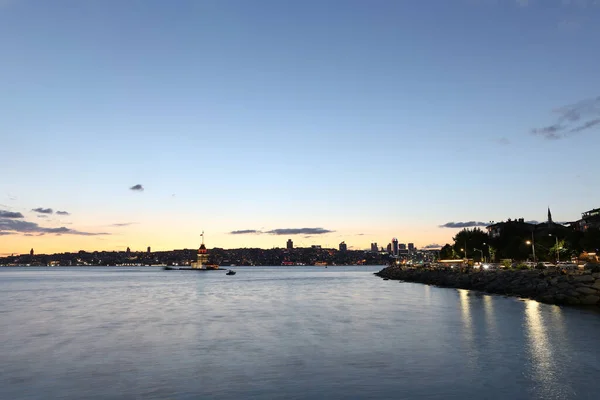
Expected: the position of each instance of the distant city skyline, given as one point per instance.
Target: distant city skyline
(144, 123)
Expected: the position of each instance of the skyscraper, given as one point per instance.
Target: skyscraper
(394, 246)
(374, 248)
(411, 247)
(148, 249)
(31, 253)
(290, 244)
(343, 246)
(402, 246)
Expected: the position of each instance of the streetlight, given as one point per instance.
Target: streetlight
(489, 253)
(481, 251)
(532, 243)
(557, 252)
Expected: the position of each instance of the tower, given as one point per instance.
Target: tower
(31, 253)
(394, 246)
(290, 244)
(148, 251)
(549, 216)
(202, 258)
(343, 246)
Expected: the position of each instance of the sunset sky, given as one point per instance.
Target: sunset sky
(315, 120)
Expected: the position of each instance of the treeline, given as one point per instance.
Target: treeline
(517, 243)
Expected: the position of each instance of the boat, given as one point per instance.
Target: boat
(230, 272)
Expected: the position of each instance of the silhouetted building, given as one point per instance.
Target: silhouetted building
(315, 246)
(389, 248)
(148, 251)
(402, 246)
(395, 246)
(374, 248)
(589, 219)
(290, 244)
(343, 246)
(411, 247)
(31, 253)
(128, 251)
(496, 229)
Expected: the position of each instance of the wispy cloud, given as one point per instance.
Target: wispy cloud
(137, 188)
(469, 224)
(63, 213)
(283, 231)
(123, 224)
(12, 226)
(432, 246)
(245, 232)
(299, 231)
(42, 216)
(572, 119)
(43, 210)
(502, 141)
(10, 214)
(6, 233)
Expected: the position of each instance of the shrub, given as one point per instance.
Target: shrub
(522, 266)
(540, 266)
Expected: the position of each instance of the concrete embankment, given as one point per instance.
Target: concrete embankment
(553, 287)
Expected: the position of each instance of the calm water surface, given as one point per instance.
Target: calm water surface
(282, 333)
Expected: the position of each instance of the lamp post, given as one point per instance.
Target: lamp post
(489, 254)
(532, 243)
(481, 251)
(556, 246)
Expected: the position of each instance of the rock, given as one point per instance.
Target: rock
(554, 281)
(572, 293)
(564, 285)
(560, 299)
(596, 275)
(590, 300)
(586, 290)
(549, 299)
(572, 301)
(584, 278)
(596, 284)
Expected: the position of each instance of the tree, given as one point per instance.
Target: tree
(446, 252)
(467, 240)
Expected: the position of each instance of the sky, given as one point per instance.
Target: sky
(147, 122)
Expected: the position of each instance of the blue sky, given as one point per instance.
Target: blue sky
(371, 119)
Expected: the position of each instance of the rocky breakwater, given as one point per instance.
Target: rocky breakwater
(553, 287)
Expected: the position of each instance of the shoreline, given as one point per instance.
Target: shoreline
(550, 287)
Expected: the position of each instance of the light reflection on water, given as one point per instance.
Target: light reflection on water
(544, 364)
(281, 333)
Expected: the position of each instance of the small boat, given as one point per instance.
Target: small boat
(230, 272)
